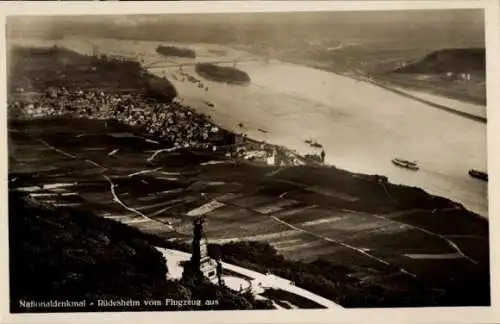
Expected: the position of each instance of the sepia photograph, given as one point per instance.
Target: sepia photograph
(247, 161)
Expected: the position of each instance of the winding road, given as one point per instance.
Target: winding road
(258, 279)
(262, 280)
(111, 183)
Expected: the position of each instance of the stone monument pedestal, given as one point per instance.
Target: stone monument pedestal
(200, 259)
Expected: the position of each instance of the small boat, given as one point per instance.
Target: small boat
(478, 174)
(316, 145)
(208, 103)
(406, 164)
(313, 143)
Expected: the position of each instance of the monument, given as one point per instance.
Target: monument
(220, 271)
(200, 261)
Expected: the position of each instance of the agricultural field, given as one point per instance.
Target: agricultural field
(378, 232)
(241, 201)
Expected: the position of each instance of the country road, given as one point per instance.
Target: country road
(367, 228)
(294, 215)
(360, 125)
(258, 279)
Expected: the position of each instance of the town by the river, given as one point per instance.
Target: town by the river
(361, 126)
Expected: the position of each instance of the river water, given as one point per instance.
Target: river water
(361, 126)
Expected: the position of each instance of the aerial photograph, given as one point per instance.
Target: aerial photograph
(247, 161)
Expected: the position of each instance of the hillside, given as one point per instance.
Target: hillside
(459, 60)
(356, 239)
(334, 280)
(60, 67)
(70, 254)
(458, 74)
(74, 255)
(341, 281)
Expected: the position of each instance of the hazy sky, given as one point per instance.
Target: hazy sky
(465, 17)
(440, 27)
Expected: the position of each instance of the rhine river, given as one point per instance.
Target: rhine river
(361, 126)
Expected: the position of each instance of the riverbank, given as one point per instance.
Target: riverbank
(369, 130)
(453, 101)
(144, 115)
(315, 110)
(359, 227)
(362, 226)
(339, 63)
(476, 113)
(378, 119)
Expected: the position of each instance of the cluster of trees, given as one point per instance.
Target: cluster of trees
(224, 74)
(455, 60)
(58, 253)
(60, 67)
(313, 157)
(38, 51)
(157, 88)
(68, 254)
(175, 51)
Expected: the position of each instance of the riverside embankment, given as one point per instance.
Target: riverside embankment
(361, 126)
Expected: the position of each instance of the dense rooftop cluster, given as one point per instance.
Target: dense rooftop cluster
(172, 122)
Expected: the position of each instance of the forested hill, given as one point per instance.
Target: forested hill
(458, 60)
(65, 254)
(60, 67)
(69, 254)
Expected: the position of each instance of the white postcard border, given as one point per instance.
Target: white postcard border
(414, 315)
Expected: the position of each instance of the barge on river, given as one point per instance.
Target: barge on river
(478, 174)
(411, 165)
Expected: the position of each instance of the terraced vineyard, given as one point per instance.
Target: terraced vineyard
(305, 212)
(371, 242)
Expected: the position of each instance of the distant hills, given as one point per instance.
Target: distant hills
(456, 73)
(458, 60)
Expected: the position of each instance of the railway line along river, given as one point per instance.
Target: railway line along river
(361, 126)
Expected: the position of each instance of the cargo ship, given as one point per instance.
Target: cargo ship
(411, 165)
(478, 174)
